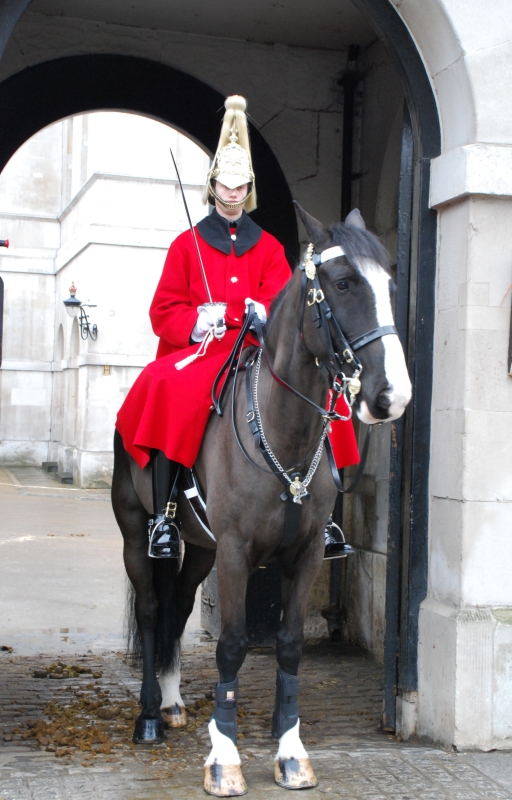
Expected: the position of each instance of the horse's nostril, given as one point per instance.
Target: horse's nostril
(383, 400)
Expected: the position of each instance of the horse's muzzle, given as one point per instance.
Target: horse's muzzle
(387, 406)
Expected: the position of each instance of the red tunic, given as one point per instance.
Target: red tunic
(168, 409)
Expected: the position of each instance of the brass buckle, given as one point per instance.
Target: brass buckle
(348, 356)
(251, 416)
(317, 296)
(170, 510)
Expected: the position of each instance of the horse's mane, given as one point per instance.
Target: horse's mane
(359, 244)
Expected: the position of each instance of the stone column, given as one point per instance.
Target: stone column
(465, 646)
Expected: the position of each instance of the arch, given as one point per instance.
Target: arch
(438, 38)
(125, 83)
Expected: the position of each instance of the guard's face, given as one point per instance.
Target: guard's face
(231, 195)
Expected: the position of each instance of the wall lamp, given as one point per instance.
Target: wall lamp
(73, 307)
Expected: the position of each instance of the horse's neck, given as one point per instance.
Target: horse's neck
(294, 364)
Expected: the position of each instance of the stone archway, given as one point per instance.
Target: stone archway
(124, 83)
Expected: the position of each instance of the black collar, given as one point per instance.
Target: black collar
(214, 229)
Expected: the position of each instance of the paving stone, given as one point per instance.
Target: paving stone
(352, 761)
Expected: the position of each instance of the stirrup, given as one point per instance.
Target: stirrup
(335, 544)
(164, 537)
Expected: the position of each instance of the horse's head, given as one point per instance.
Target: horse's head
(358, 287)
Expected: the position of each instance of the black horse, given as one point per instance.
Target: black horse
(333, 319)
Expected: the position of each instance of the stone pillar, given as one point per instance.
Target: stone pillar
(465, 646)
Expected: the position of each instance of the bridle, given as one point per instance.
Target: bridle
(340, 352)
(344, 351)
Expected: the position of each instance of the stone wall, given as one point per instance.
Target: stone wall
(294, 96)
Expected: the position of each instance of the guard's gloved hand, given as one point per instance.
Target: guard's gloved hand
(211, 316)
(260, 309)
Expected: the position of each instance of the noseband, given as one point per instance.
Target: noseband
(343, 352)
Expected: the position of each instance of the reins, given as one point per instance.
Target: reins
(313, 296)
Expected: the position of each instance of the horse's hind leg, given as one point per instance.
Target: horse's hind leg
(222, 772)
(197, 564)
(132, 520)
(292, 768)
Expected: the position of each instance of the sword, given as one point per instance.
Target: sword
(205, 281)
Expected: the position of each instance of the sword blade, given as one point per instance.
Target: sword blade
(203, 271)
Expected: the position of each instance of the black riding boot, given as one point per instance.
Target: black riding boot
(163, 530)
(335, 544)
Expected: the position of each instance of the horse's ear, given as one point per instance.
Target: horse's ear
(355, 219)
(318, 233)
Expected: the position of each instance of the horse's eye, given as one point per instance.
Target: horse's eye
(342, 286)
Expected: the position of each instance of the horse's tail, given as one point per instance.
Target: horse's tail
(169, 618)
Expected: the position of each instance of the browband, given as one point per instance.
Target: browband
(331, 252)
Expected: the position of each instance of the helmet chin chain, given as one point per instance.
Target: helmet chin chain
(224, 203)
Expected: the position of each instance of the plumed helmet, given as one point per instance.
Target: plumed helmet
(232, 164)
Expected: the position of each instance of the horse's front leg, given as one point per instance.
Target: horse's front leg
(292, 768)
(223, 772)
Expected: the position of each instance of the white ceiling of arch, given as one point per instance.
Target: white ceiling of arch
(331, 24)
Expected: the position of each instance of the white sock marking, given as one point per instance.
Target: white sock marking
(223, 750)
(170, 686)
(394, 361)
(290, 745)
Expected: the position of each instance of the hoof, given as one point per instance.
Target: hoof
(294, 773)
(148, 731)
(175, 716)
(224, 781)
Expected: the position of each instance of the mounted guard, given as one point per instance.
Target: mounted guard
(212, 274)
(264, 465)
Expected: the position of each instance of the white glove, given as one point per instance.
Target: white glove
(208, 319)
(260, 309)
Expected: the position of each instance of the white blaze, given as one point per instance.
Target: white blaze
(395, 368)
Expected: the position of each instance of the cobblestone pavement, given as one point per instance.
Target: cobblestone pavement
(85, 751)
(340, 704)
